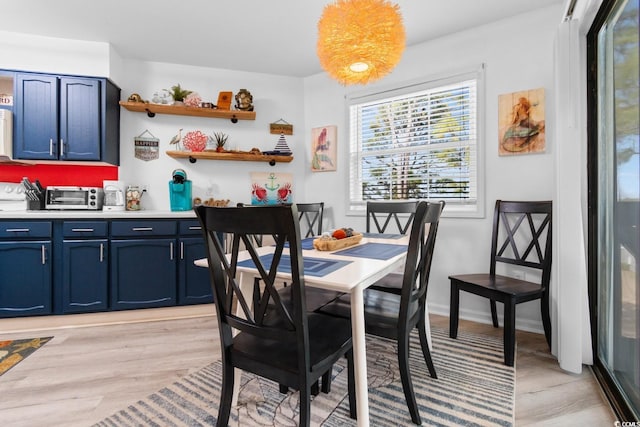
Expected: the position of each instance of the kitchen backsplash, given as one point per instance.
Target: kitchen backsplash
(87, 176)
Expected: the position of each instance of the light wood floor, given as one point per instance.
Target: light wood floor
(87, 372)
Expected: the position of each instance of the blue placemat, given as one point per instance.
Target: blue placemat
(306, 244)
(373, 250)
(383, 235)
(312, 266)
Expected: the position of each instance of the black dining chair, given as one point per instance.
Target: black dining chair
(394, 316)
(310, 217)
(521, 237)
(390, 218)
(284, 343)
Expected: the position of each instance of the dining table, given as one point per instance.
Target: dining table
(349, 270)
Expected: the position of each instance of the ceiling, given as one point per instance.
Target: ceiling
(273, 37)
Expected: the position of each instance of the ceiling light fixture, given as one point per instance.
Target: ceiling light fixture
(360, 41)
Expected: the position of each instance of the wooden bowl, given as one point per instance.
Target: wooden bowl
(332, 245)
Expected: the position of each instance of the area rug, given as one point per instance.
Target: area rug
(13, 352)
(474, 388)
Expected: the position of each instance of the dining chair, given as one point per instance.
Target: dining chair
(281, 342)
(383, 217)
(310, 217)
(394, 316)
(521, 237)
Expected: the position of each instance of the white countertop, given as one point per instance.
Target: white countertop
(71, 214)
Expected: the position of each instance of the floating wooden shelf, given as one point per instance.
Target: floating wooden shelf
(229, 155)
(153, 109)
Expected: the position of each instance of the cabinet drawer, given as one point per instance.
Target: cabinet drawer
(143, 228)
(25, 229)
(84, 229)
(191, 227)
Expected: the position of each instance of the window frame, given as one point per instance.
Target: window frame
(453, 208)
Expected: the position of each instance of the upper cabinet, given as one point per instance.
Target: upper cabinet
(66, 118)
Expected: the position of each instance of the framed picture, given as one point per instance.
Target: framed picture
(521, 122)
(271, 188)
(324, 148)
(224, 100)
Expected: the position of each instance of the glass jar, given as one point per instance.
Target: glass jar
(133, 198)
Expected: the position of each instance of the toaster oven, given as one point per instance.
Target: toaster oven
(74, 198)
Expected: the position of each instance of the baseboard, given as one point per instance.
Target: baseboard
(43, 323)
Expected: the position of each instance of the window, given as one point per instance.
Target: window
(420, 141)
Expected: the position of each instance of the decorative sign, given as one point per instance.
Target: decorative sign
(224, 100)
(324, 148)
(270, 188)
(6, 99)
(521, 122)
(146, 148)
(281, 127)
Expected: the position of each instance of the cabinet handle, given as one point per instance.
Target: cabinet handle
(18, 230)
(142, 229)
(171, 251)
(195, 227)
(82, 230)
(61, 147)
(181, 250)
(44, 254)
(51, 146)
(101, 252)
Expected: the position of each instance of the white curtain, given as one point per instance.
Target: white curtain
(569, 296)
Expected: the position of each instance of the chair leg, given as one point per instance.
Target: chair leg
(351, 386)
(226, 395)
(494, 314)
(509, 332)
(315, 389)
(454, 308)
(546, 320)
(326, 381)
(305, 406)
(405, 376)
(426, 352)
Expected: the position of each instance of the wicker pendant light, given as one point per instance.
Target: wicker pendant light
(360, 41)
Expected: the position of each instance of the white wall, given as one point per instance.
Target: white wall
(518, 54)
(53, 55)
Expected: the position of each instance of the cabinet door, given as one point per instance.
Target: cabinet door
(84, 275)
(79, 119)
(25, 278)
(194, 286)
(143, 273)
(36, 112)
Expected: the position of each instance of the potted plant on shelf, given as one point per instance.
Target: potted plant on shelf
(221, 139)
(178, 94)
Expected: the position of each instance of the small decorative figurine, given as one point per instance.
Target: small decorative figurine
(244, 100)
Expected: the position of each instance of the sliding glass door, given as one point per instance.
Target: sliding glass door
(614, 178)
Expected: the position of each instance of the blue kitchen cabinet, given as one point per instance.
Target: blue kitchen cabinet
(25, 268)
(194, 286)
(66, 118)
(85, 266)
(36, 117)
(143, 264)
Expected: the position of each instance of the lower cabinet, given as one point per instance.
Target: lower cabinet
(143, 264)
(85, 266)
(194, 286)
(25, 268)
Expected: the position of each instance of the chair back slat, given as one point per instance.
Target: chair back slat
(270, 317)
(383, 214)
(522, 235)
(420, 250)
